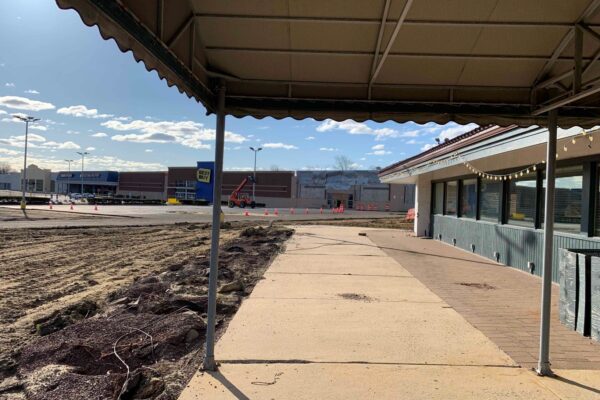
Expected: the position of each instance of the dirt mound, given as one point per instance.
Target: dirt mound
(108, 348)
(146, 342)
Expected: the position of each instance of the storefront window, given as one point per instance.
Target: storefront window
(438, 198)
(451, 197)
(567, 199)
(468, 198)
(490, 200)
(521, 200)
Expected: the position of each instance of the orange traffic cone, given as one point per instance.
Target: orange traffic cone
(71, 206)
(292, 211)
(266, 212)
(276, 212)
(246, 214)
(95, 207)
(50, 205)
(306, 211)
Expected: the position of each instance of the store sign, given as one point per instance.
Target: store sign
(203, 175)
(205, 181)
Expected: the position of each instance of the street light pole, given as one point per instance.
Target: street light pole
(254, 183)
(27, 120)
(82, 154)
(68, 178)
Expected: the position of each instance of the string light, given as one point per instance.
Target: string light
(514, 175)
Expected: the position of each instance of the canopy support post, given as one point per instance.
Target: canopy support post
(543, 368)
(209, 360)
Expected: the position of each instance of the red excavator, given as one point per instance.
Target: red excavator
(241, 199)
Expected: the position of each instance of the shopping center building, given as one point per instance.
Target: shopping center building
(484, 192)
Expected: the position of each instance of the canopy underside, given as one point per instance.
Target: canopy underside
(485, 61)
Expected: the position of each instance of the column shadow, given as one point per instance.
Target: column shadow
(228, 385)
(573, 383)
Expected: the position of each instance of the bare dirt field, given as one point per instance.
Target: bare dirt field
(12, 214)
(120, 311)
(72, 299)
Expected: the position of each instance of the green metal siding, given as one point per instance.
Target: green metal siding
(516, 245)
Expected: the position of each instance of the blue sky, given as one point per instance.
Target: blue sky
(91, 97)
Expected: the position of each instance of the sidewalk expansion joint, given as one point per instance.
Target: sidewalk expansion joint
(358, 362)
(338, 274)
(342, 299)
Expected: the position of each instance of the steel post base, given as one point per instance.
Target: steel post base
(210, 364)
(543, 369)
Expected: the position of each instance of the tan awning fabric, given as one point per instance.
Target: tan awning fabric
(450, 60)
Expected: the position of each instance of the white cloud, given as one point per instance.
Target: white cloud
(455, 130)
(379, 150)
(9, 84)
(23, 103)
(9, 152)
(328, 149)
(114, 163)
(187, 133)
(36, 141)
(148, 150)
(2, 112)
(358, 128)
(310, 138)
(68, 145)
(145, 138)
(280, 146)
(90, 148)
(82, 111)
(122, 118)
(39, 127)
(99, 134)
(427, 146)
(72, 132)
(31, 91)
(92, 163)
(413, 133)
(413, 141)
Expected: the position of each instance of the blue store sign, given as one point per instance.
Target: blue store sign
(205, 180)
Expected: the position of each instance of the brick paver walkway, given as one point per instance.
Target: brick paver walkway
(502, 302)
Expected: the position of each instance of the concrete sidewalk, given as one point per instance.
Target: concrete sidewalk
(340, 320)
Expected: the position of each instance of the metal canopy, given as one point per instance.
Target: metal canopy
(485, 61)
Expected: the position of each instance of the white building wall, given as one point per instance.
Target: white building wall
(423, 205)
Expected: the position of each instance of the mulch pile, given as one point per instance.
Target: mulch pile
(148, 341)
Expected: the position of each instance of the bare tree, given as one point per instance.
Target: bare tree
(275, 168)
(5, 168)
(342, 163)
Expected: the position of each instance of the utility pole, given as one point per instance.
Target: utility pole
(68, 178)
(27, 120)
(82, 154)
(254, 183)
